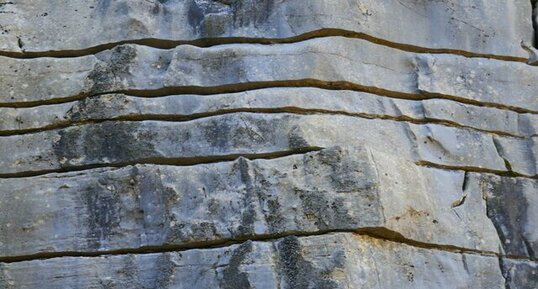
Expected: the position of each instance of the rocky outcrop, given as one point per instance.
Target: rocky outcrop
(268, 144)
(250, 134)
(291, 100)
(330, 62)
(329, 190)
(467, 27)
(329, 261)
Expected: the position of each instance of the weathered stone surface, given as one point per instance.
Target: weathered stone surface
(326, 61)
(509, 84)
(330, 261)
(230, 135)
(512, 205)
(182, 107)
(520, 274)
(520, 155)
(355, 143)
(328, 190)
(483, 27)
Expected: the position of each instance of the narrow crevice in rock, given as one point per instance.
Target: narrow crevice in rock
(188, 161)
(504, 274)
(498, 147)
(374, 232)
(242, 87)
(534, 20)
(290, 110)
(208, 42)
(475, 170)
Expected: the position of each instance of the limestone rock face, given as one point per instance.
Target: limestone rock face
(474, 26)
(332, 189)
(268, 144)
(327, 62)
(330, 261)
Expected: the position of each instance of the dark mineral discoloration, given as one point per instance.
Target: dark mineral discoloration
(297, 273)
(99, 107)
(154, 201)
(232, 276)
(507, 208)
(252, 12)
(164, 272)
(324, 212)
(248, 216)
(113, 70)
(104, 142)
(349, 174)
(209, 18)
(520, 274)
(103, 205)
(214, 18)
(296, 138)
(130, 274)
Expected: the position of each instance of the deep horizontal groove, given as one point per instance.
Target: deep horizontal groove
(187, 161)
(208, 42)
(379, 233)
(287, 109)
(242, 87)
(475, 170)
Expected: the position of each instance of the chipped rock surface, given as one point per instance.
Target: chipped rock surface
(242, 144)
(473, 26)
(330, 261)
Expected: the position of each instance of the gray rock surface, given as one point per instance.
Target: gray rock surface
(468, 26)
(520, 274)
(329, 190)
(331, 61)
(282, 144)
(331, 261)
(249, 134)
(298, 100)
(512, 205)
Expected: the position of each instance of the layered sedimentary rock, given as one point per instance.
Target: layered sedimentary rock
(328, 62)
(329, 190)
(268, 144)
(249, 134)
(475, 27)
(330, 261)
(296, 100)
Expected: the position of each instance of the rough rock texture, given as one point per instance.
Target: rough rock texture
(520, 274)
(512, 205)
(268, 144)
(328, 190)
(251, 134)
(472, 26)
(330, 61)
(297, 100)
(329, 261)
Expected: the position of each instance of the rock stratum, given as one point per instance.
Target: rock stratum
(268, 144)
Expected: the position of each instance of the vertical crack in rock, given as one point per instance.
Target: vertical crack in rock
(500, 152)
(504, 273)
(532, 48)
(534, 15)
